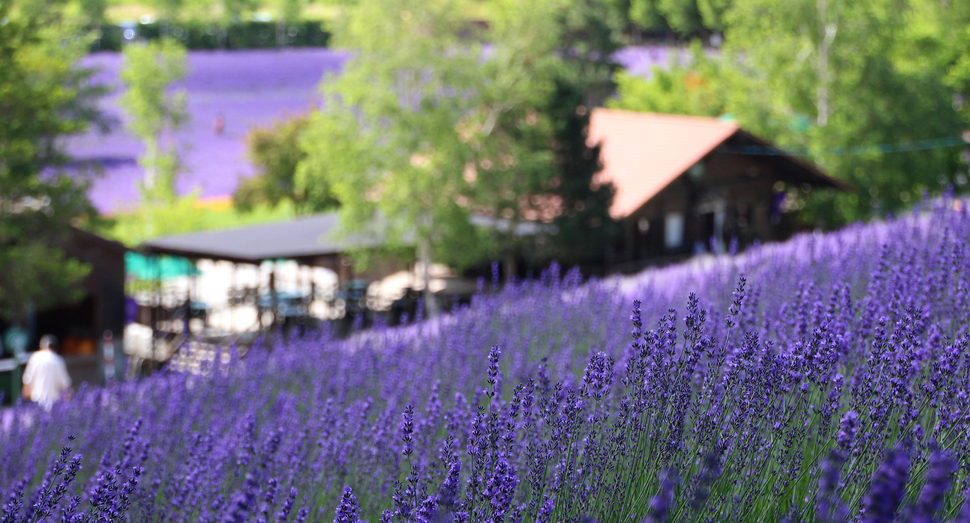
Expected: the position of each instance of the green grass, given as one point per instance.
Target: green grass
(188, 214)
(127, 10)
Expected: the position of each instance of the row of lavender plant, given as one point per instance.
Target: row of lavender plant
(828, 383)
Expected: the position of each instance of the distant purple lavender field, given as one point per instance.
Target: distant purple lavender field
(248, 88)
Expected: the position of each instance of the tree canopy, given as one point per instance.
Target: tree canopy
(414, 140)
(852, 85)
(154, 113)
(276, 152)
(43, 98)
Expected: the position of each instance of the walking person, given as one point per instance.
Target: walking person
(45, 377)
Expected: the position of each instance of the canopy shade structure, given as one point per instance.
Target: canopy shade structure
(166, 267)
(301, 239)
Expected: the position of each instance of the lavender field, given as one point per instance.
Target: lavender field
(248, 88)
(824, 379)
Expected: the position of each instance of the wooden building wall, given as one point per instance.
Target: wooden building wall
(742, 187)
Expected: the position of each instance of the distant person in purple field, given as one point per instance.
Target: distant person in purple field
(45, 377)
(219, 124)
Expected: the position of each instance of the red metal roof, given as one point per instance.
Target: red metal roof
(642, 153)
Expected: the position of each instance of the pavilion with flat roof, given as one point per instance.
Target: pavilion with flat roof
(310, 241)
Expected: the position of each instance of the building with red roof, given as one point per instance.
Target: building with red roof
(685, 184)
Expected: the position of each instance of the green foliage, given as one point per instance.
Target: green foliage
(712, 13)
(92, 12)
(826, 76)
(290, 10)
(683, 17)
(43, 98)
(676, 90)
(233, 10)
(585, 80)
(646, 15)
(389, 144)
(37, 277)
(852, 82)
(199, 34)
(155, 114)
(947, 32)
(276, 153)
(168, 9)
(189, 214)
(509, 131)
(416, 139)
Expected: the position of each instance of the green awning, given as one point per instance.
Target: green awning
(149, 267)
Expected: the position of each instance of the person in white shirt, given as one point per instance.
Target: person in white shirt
(45, 377)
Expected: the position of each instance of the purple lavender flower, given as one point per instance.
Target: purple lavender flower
(348, 511)
(494, 374)
(546, 509)
(407, 431)
(661, 505)
(888, 488)
(747, 398)
(828, 503)
(847, 431)
(939, 476)
(501, 489)
(287, 508)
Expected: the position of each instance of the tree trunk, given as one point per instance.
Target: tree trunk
(281, 33)
(826, 37)
(510, 267)
(425, 258)
(151, 166)
(509, 261)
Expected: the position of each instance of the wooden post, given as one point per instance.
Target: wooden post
(272, 292)
(259, 289)
(233, 298)
(156, 302)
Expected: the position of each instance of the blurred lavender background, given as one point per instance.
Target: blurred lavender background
(248, 88)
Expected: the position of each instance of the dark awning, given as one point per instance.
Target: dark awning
(300, 238)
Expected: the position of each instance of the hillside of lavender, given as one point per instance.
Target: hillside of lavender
(822, 379)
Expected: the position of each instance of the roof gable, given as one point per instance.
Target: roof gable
(641, 153)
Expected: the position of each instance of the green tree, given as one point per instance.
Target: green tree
(832, 77)
(681, 15)
(646, 15)
(389, 142)
(853, 84)
(945, 33)
(233, 10)
(288, 13)
(155, 114)
(169, 13)
(92, 12)
(684, 17)
(695, 89)
(276, 152)
(713, 13)
(417, 139)
(508, 129)
(43, 98)
(591, 28)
